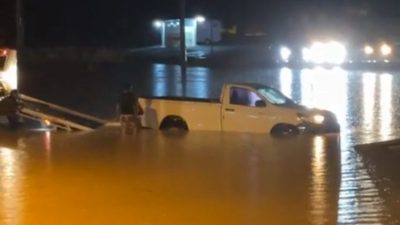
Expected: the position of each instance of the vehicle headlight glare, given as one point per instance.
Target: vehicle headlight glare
(386, 50)
(368, 50)
(325, 52)
(285, 54)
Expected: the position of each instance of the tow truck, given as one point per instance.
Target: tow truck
(45, 114)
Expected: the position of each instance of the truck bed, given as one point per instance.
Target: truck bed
(198, 113)
(190, 99)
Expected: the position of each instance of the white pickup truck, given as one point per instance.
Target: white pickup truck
(252, 108)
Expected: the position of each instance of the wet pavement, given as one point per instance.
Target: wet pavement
(202, 177)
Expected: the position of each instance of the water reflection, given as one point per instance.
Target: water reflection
(369, 88)
(47, 147)
(377, 116)
(385, 107)
(167, 81)
(11, 173)
(332, 89)
(319, 192)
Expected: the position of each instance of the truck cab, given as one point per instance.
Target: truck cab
(255, 108)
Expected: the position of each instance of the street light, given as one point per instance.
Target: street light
(160, 25)
(200, 19)
(157, 23)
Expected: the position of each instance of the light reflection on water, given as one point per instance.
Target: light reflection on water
(319, 192)
(11, 177)
(359, 199)
(167, 81)
(385, 107)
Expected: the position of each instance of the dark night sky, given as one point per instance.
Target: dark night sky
(128, 22)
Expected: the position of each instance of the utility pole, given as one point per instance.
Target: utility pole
(19, 26)
(182, 40)
(20, 34)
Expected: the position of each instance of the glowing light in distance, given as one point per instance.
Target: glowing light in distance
(331, 53)
(200, 19)
(285, 54)
(386, 50)
(368, 50)
(158, 23)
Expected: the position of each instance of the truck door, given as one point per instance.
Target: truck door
(244, 110)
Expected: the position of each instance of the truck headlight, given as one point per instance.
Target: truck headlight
(315, 118)
(318, 119)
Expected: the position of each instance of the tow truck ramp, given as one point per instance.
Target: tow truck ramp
(52, 115)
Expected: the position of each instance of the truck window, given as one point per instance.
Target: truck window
(243, 96)
(273, 96)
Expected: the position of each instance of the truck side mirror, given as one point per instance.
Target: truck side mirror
(260, 103)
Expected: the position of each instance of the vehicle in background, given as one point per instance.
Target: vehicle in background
(378, 52)
(251, 108)
(8, 70)
(334, 53)
(323, 53)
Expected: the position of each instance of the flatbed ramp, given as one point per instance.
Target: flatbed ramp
(57, 116)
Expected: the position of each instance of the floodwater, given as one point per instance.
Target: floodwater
(102, 177)
(168, 178)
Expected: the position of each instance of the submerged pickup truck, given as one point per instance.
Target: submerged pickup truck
(251, 108)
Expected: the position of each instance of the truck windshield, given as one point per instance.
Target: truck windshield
(273, 96)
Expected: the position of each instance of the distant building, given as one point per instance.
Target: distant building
(195, 32)
(209, 31)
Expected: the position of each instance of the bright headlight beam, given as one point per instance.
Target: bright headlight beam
(330, 52)
(368, 50)
(285, 54)
(386, 50)
(335, 53)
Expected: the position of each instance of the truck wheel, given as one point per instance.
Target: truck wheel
(174, 122)
(284, 129)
